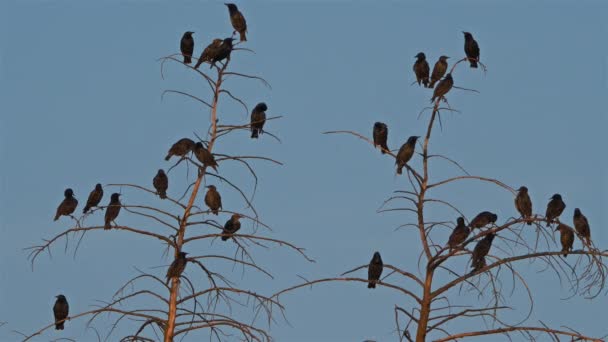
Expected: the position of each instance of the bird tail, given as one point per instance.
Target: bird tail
(565, 250)
(548, 223)
(371, 285)
(225, 238)
(198, 63)
(243, 36)
(254, 133)
(426, 82)
(473, 63)
(399, 169)
(59, 326)
(56, 217)
(107, 226)
(168, 157)
(383, 149)
(432, 98)
(215, 212)
(162, 195)
(86, 209)
(432, 84)
(187, 59)
(529, 223)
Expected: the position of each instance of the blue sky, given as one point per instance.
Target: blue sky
(80, 97)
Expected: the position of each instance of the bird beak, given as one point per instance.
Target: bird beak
(463, 32)
(446, 57)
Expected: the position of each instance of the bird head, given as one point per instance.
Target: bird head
(376, 259)
(443, 58)
(493, 218)
(490, 237)
(60, 297)
(577, 212)
(188, 33)
(467, 35)
(228, 41)
(211, 187)
(68, 193)
(161, 171)
(448, 76)
(114, 198)
(261, 107)
(556, 197)
(420, 55)
(460, 221)
(412, 139)
(198, 144)
(182, 254)
(236, 217)
(523, 189)
(98, 187)
(231, 7)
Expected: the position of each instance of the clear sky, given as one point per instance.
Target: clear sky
(80, 104)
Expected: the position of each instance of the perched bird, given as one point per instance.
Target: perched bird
(483, 219)
(204, 156)
(443, 87)
(555, 207)
(94, 198)
(213, 199)
(232, 226)
(258, 119)
(209, 53)
(566, 238)
(380, 134)
(441, 66)
(177, 266)
(68, 205)
(523, 204)
(61, 310)
(238, 21)
(421, 69)
(405, 153)
(161, 183)
(478, 259)
(223, 51)
(459, 234)
(112, 210)
(374, 271)
(180, 148)
(186, 45)
(471, 49)
(582, 226)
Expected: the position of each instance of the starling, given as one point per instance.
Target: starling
(94, 198)
(582, 226)
(232, 226)
(258, 119)
(213, 199)
(112, 210)
(523, 204)
(483, 219)
(443, 87)
(177, 266)
(204, 156)
(61, 310)
(374, 271)
(209, 53)
(223, 51)
(405, 153)
(238, 21)
(478, 259)
(566, 238)
(68, 205)
(421, 69)
(471, 49)
(459, 234)
(186, 46)
(180, 148)
(161, 183)
(439, 70)
(555, 207)
(380, 134)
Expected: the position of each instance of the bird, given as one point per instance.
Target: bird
(471, 49)
(238, 21)
(232, 226)
(68, 205)
(374, 270)
(566, 237)
(112, 210)
(523, 204)
(94, 198)
(209, 53)
(483, 219)
(478, 259)
(421, 69)
(582, 226)
(459, 234)
(180, 148)
(213, 200)
(177, 267)
(61, 310)
(161, 183)
(555, 207)
(380, 134)
(443, 87)
(223, 51)
(204, 156)
(405, 153)
(441, 66)
(258, 119)
(186, 45)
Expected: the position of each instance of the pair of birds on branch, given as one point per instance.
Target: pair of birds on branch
(462, 231)
(405, 153)
(69, 204)
(213, 200)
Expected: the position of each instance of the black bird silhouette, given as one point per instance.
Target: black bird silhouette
(483, 219)
(232, 226)
(478, 259)
(555, 207)
(523, 204)
(223, 51)
(180, 148)
(380, 134)
(374, 271)
(238, 21)
(471, 49)
(209, 53)
(582, 226)
(161, 183)
(61, 310)
(443, 87)
(258, 119)
(177, 267)
(213, 200)
(112, 210)
(68, 205)
(566, 237)
(459, 234)
(186, 45)
(204, 156)
(405, 153)
(94, 198)
(421, 69)
(441, 66)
